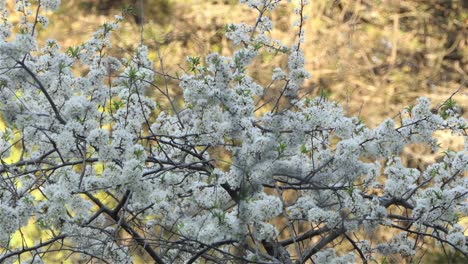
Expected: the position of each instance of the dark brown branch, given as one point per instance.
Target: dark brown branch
(36, 247)
(209, 247)
(44, 91)
(140, 240)
(304, 236)
(361, 254)
(321, 244)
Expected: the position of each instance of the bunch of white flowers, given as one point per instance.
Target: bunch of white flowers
(92, 162)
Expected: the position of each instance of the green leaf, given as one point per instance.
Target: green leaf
(128, 9)
(116, 105)
(450, 104)
(194, 62)
(303, 149)
(280, 148)
(73, 52)
(132, 73)
(107, 27)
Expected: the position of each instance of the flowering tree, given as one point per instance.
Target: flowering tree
(241, 174)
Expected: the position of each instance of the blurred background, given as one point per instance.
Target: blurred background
(375, 57)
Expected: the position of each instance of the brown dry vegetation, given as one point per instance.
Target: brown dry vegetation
(376, 57)
(373, 56)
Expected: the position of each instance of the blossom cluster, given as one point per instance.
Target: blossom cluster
(229, 177)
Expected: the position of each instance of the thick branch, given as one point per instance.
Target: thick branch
(321, 244)
(140, 240)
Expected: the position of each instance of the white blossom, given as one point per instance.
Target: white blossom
(233, 168)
